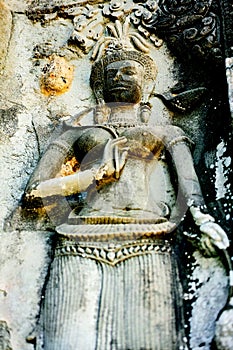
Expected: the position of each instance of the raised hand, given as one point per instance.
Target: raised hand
(114, 159)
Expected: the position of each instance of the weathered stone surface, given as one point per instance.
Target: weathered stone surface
(57, 76)
(6, 26)
(229, 74)
(224, 332)
(24, 261)
(4, 336)
(30, 120)
(8, 122)
(208, 288)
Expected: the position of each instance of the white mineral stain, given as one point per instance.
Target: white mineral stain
(221, 165)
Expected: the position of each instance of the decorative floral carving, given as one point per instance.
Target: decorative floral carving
(182, 24)
(88, 28)
(119, 38)
(145, 13)
(182, 7)
(117, 8)
(144, 17)
(113, 254)
(207, 31)
(186, 25)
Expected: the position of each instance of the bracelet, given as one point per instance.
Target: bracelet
(199, 217)
(178, 140)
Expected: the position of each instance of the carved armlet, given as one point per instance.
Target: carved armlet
(179, 140)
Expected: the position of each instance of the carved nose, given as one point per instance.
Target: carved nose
(117, 76)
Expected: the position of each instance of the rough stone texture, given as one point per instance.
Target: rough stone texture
(4, 336)
(224, 329)
(57, 77)
(24, 263)
(210, 293)
(229, 73)
(28, 122)
(6, 24)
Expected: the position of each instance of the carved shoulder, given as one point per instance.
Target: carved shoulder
(172, 135)
(84, 118)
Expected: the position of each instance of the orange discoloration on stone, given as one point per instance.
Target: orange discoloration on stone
(70, 167)
(5, 25)
(57, 77)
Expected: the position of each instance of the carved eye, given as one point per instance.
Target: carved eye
(129, 71)
(111, 73)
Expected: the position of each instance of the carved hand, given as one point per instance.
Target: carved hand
(212, 234)
(113, 161)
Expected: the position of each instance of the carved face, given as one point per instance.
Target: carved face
(124, 82)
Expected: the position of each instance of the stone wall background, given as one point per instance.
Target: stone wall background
(29, 120)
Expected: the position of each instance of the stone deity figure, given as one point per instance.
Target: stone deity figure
(114, 282)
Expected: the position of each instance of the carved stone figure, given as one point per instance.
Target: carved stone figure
(114, 281)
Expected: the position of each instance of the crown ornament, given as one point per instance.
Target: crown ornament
(118, 45)
(119, 37)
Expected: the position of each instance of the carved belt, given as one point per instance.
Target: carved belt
(111, 253)
(116, 232)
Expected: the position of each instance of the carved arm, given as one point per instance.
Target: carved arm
(44, 183)
(53, 158)
(188, 183)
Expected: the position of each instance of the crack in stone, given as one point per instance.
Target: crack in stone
(37, 138)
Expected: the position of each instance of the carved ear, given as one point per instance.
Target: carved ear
(98, 91)
(148, 90)
(145, 107)
(145, 113)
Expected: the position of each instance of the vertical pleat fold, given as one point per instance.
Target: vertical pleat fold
(95, 306)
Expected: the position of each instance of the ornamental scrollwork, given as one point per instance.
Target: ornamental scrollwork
(187, 26)
(117, 9)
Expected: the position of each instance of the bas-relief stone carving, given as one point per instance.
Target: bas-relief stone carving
(190, 26)
(120, 222)
(102, 256)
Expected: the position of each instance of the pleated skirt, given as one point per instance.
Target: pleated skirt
(135, 304)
